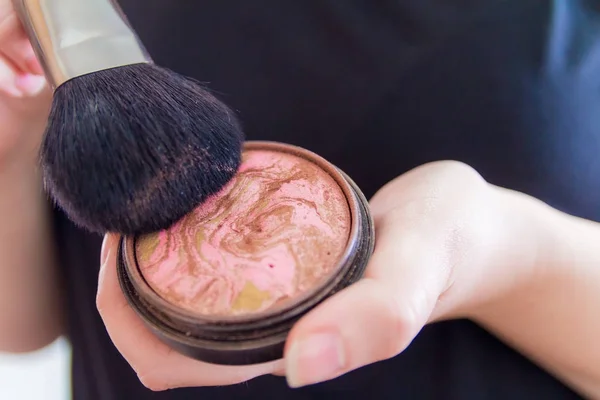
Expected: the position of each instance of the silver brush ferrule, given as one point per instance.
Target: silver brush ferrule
(77, 37)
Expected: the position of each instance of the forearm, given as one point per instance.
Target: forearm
(553, 314)
(29, 291)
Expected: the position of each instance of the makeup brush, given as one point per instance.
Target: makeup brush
(130, 147)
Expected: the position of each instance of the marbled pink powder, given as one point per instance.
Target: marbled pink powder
(275, 231)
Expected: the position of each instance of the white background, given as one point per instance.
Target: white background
(43, 375)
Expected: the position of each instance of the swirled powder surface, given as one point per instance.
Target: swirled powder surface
(272, 233)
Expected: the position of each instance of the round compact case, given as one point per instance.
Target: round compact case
(227, 283)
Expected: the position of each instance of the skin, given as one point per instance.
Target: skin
(449, 245)
(27, 278)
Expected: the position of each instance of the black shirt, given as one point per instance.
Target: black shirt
(379, 87)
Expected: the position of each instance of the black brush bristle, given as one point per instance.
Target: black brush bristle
(134, 149)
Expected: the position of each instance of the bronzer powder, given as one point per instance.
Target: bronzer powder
(275, 232)
(227, 283)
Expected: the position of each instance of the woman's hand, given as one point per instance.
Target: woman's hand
(447, 243)
(24, 94)
(443, 240)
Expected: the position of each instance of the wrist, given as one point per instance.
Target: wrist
(531, 237)
(510, 234)
(549, 312)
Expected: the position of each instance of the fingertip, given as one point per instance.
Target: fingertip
(362, 324)
(108, 243)
(7, 79)
(11, 91)
(315, 357)
(317, 347)
(107, 260)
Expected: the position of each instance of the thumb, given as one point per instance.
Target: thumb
(372, 320)
(419, 239)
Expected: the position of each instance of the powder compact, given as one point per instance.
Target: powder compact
(226, 283)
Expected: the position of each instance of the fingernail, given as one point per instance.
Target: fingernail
(29, 84)
(102, 268)
(316, 358)
(105, 250)
(10, 88)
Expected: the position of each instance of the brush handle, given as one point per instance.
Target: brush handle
(77, 37)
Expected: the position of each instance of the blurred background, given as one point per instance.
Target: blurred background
(43, 375)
